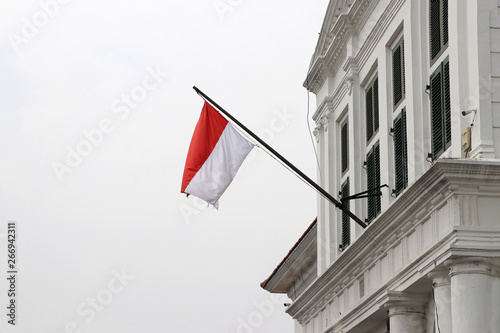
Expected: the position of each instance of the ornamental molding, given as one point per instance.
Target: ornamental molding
(377, 32)
(331, 103)
(401, 303)
(469, 265)
(330, 52)
(325, 119)
(336, 11)
(317, 132)
(351, 66)
(440, 278)
(342, 18)
(326, 106)
(349, 81)
(338, 8)
(436, 189)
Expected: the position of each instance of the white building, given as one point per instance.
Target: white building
(392, 78)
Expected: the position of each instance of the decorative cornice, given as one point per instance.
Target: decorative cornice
(327, 105)
(335, 10)
(341, 21)
(377, 32)
(431, 191)
(351, 65)
(342, 30)
(331, 103)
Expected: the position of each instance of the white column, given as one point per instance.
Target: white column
(406, 313)
(442, 296)
(472, 295)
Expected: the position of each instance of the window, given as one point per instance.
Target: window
(438, 28)
(399, 125)
(400, 152)
(440, 109)
(346, 220)
(398, 73)
(371, 109)
(344, 142)
(373, 181)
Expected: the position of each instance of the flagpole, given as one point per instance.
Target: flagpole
(284, 160)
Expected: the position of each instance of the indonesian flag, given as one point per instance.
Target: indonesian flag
(215, 155)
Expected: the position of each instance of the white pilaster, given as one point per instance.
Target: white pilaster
(357, 143)
(330, 173)
(416, 100)
(320, 135)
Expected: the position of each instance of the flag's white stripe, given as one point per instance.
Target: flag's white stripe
(221, 166)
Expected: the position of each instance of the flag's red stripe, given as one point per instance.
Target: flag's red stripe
(206, 135)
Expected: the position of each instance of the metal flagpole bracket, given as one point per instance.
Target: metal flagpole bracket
(365, 194)
(289, 165)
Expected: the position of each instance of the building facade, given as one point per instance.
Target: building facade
(408, 111)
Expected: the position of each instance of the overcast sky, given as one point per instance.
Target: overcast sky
(96, 115)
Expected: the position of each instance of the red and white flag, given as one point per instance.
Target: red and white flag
(215, 154)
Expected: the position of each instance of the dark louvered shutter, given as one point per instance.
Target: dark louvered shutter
(373, 181)
(372, 118)
(344, 139)
(438, 27)
(447, 103)
(369, 114)
(397, 75)
(369, 184)
(435, 27)
(400, 152)
(375, 105)
(405, 148)
(376, 176)
(346, 225)
(436, 115)
(403, 59)
(440, 109)
(444, 21)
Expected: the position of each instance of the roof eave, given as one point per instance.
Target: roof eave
(277, 281)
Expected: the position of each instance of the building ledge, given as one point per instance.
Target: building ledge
(450, 210)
